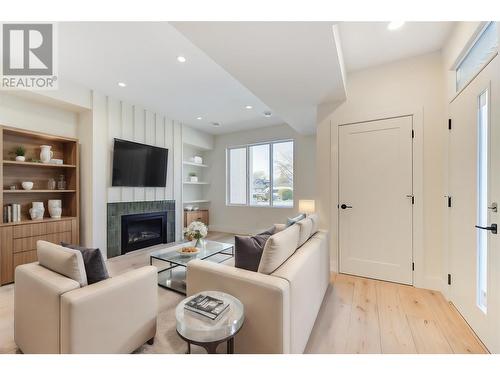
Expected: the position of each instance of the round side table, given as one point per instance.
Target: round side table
(203, 332)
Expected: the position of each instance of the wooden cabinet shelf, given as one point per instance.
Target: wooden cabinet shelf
(18, 239)
(19, 191)
(33, 164)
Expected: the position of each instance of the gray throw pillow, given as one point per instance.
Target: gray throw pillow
(292, 220)
(95, 267)
(248, 250)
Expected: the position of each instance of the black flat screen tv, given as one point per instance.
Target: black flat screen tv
(139, 165)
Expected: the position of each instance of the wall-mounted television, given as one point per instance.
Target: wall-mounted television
(139, 165)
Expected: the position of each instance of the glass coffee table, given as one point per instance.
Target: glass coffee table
(172, 265)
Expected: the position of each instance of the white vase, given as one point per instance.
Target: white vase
(193, 178)
(46, 154)
(36, 213)
(55, 212)
(20, 158)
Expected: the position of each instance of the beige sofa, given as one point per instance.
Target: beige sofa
(281, 304)
(56, 312)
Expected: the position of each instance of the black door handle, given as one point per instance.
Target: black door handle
(493, 228)
(344, 206)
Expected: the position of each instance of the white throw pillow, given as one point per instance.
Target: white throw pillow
(67, 262)
(315, 223)
(305, 226)
(279, 247)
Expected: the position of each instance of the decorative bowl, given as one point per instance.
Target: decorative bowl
(188, 251)
(27, 185)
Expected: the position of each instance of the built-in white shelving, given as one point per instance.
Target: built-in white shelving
(196, 183)
(195, 164)
(197, 201)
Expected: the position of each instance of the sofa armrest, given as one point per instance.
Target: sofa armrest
(116, 315)
(266, 300)
(37, 308)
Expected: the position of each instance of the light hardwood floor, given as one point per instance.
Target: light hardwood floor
(357, 316)
(361, 315)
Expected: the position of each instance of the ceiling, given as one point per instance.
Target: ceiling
(291, 66)
(288, 68)
(366, 44)
(144, 56)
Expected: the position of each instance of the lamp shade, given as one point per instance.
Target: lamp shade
(306, 206)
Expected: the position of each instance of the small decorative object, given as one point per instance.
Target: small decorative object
(196, 231)
(56, 161)
(61, 183)
(27, 185)
(45, 153)
(55, 208)
(196, 208)
(193, 177)
(51, 184)
(13, 187)
(37, 211)
(198, 159)
(188, 208)
(20, 153)
(306, 206)
(188, 251)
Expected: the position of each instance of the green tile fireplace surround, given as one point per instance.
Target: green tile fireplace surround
(118, 209)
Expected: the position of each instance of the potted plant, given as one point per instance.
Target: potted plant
(193, 177)
(20, 153)
(196, 231)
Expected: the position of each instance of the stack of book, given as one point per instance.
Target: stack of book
(206, 306)
(12, 213)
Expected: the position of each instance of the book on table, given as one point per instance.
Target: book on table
(207, 306)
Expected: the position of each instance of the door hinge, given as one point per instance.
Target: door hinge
(449, 124)
(449, 279)
(449, 201)
(413, 266)
(413, 133)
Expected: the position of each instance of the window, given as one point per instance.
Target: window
(261, 174)
(482, 199)
(483, 49)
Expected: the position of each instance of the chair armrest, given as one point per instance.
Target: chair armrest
(37, 308)
(116, 315)
(266, 300)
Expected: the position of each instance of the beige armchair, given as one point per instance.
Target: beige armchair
(55, 314)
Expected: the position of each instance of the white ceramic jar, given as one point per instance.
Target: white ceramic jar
(46, 153)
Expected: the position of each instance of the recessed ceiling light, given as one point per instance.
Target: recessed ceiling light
(394, 25)
(199, 118)
(267, 114)
(122, 84)
(181, 59)
(216, 124)
(248, 107)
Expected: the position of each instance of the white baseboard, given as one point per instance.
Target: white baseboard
(228, 229)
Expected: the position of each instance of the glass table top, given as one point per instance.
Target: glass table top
(194, 328)
(209, 249)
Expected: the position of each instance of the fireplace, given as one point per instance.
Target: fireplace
(143, 230)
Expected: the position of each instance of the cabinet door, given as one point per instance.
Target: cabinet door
(6, 269)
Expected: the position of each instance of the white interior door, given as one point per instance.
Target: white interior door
(474, 182)
(375, 199)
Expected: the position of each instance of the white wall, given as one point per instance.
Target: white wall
(415, 84)
(20, 112)
(251, 219)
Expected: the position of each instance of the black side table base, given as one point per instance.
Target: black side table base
(211, 347)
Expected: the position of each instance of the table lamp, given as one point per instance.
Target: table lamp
(306, 206)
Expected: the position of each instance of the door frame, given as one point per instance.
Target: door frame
(417, 114)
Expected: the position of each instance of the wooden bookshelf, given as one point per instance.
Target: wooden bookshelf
(15, 235)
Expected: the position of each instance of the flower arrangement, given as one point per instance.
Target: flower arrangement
(195, 231)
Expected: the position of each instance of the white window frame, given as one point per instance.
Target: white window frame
(465, 53)
(271, 174)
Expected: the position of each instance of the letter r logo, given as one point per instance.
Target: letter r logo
(27, 49)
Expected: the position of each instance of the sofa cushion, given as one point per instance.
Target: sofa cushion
(95, 267)
(279, 247)
(248, 249)
(67, 262)
(315, 223)
(292, 220)
(305, 230)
